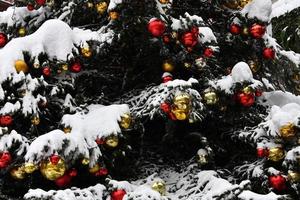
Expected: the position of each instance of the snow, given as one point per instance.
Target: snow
(9, 141)
(281, 7)
(113, 4)
(260, 9)
(248, 195)
(207, 35)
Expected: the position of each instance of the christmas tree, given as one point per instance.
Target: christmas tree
(152, 99)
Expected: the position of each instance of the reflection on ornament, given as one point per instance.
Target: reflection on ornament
(29, 168)
(181, 106)
(86, 52)
(112, 141)
(18, 173)
(160, 187)
(53, 171)
(126, 121)
(276, 154)
(288, 131)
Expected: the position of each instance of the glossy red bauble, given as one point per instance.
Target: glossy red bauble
(195, 30)
(117, 194)
(63, 181)
(3, 40)
(208, 52)
(277, 182)
(100, 141)
(40, 2)
(30, 7)
(260, 152)
(54, 159)
(102, 172)
(156, 27)
(269, 53)
(76, 67)
(166, 38)
(5, 160)
(189, 39)
(6, 120)
(46, 71)
(165, 107)
(167, 79)
(246, 100)
(257, 31)
(235, 29)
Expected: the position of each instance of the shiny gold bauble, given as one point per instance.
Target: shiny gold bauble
(160, 187)
(174, 35)
(53, 171)
(248, 90)
(276, 154)
(113, 15)
(86, 52)
(210, 97)
(288, 131)
(164, 1)
(67, 129)
(35, 120)
(18, 173)
(85, 161)
(202, 159)
(181, 106)
(101, 7)
(126, 121)
(95, 169)
(21, 65)
(22, 32)
(168, 66)
(294, 176)
(65, 67)
(236, 4)
(187, 65)
(112, 141)
(254, 65)
(29, 168)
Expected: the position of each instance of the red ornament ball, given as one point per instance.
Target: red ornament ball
(46, 71)
(76, 67)
(166, 38)
(195, 30)
(189, 39)
(258, 93)
(260, 152)
(165, 107)
(3, 40)
(166, 77)
(5, 160)
(102, 172)
(156, 27)
(6, 120)
(40, 2)
(117, 194)
(246, 100)
(269, 53)
(54, 159)
(30, 7)
(277, 182)
(235, 29)
(63, 181)
(208, 52)
(100, 141)
(257, 31)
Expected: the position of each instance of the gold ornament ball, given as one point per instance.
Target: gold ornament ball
(160, 187)
(294, 176)
(65, 67)
(276, 154)
(168, 66)
(248, 90)
(22, 32)
(210, 97)
(245, 31)
(35, 120)
(53, 171)
(90, 5)
(67, 129)
(254, 65)
(95, 169)
(113, 15)
(112, 141)
(101, 7)
(288, 131)
(29, 168)
(21, 65)
(126, 121)
(181, 106)
(18, 173)
(187, 65)
(86, 52)
(163, 1)
(236, 4)
(85, 161)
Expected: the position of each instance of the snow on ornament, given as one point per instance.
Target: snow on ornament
(258, 9)
(241, 73)
(166, 77)
(156, 27)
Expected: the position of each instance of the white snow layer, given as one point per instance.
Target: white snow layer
(260, 9)
(282, 7)
(54, 38)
